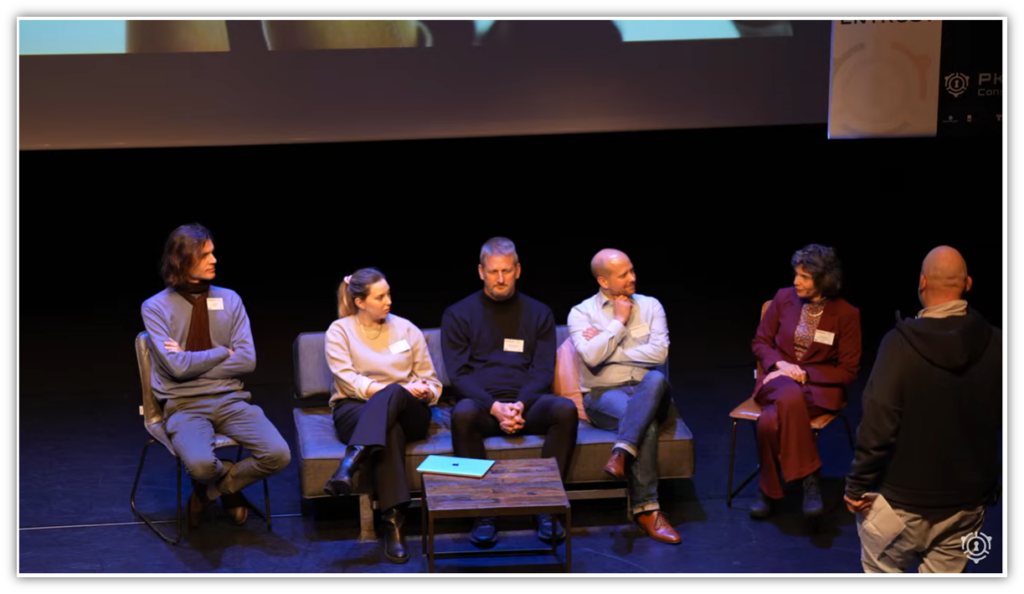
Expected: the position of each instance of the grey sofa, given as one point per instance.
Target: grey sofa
(319, 449)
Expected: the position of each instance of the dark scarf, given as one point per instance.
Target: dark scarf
(199, 326)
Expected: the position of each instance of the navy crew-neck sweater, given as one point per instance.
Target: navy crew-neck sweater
(473, 334)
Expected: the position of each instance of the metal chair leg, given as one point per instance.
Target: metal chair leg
(849, 432)
(266, 499)
(733, 493)
(146, 519)
(732, 463)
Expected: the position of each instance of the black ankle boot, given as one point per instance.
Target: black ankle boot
(394, 541)
(813, 505)
(341, 483)
(762, 506)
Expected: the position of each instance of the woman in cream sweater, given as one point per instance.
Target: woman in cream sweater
(384, 385)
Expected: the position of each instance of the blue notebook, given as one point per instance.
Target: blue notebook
(453, 466)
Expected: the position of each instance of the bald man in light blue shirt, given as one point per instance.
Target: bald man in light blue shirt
(620, 337)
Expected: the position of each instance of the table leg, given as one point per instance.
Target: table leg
(430, 545)
(423, 525)
(568, 540)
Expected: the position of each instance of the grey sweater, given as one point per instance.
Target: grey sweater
(167, 316)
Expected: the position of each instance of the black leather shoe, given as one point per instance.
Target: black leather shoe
(341, 483)
(762, 507)
(485, 532)
(394, 541)
(547, 526)
(813, 505)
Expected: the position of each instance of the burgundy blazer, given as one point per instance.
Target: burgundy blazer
(830, 368)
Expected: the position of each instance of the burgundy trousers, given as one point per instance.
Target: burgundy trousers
(784, 436)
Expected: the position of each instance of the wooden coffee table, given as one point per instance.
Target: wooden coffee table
(510, 488)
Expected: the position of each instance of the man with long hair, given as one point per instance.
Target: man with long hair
(201, 346)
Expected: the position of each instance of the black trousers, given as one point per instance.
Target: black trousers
(385, 422)
(552, 416)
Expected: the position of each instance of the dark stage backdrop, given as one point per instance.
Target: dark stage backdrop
(709, 217)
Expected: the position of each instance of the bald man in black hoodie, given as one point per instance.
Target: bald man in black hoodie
(929, 441)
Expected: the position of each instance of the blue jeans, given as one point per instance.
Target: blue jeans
(634, 411)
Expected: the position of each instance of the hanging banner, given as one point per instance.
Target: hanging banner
(884, 78)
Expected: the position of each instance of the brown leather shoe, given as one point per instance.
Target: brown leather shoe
(656, 525)
(616, 465)
(198, 505)
(236, 507)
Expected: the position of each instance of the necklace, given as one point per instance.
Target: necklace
(362, 329)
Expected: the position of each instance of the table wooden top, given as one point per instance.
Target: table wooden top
(510, 487)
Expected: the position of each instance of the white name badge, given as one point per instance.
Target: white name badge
(514, 345)
(399, 347)
(214, 303)
(638, 331)
(824, 337)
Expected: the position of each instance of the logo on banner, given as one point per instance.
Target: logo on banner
(956, 83)
(976, 545)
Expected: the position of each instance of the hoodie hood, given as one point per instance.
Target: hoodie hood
(953, 343)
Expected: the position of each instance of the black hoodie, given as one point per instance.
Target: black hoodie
(930, 438)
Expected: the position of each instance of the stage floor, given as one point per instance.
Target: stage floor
(79, 453)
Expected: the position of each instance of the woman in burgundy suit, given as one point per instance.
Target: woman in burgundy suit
(808, 344)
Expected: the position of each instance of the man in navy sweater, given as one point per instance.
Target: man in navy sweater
(499, 350)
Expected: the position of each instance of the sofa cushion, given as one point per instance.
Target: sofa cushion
(567, 376)
(312, 375)
(432, 336)
(320, 450)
